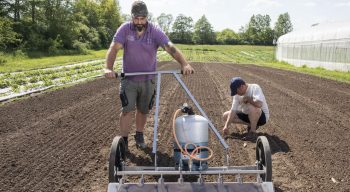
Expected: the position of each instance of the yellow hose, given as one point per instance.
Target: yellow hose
(196, 150)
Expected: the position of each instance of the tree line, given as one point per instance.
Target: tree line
(56, 25)
(64, 26)
(258, 31)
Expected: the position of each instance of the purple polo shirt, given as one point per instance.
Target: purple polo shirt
(140, 54)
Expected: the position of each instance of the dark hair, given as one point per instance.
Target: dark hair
(138, 9)
(236, 82)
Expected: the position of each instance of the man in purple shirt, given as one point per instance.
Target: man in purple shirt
(140, 41)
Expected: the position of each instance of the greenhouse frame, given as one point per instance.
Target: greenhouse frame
(323, 45)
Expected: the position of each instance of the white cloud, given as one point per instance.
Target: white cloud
(235, 13)
(310, 4)
(261, 6)
(263, 3)
(343, 4)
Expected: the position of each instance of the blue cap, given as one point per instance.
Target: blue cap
(236, 82)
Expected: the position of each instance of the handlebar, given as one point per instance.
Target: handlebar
(148, 73)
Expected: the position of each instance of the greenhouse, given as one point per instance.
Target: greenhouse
(324, 45)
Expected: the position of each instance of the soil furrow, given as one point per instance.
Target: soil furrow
(60, 140)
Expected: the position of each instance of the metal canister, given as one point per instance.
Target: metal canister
(191, 129)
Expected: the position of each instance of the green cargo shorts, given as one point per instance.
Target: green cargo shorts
(138, 94)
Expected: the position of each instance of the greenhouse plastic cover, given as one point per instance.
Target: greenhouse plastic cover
(320, 32)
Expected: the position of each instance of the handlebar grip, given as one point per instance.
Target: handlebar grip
(182, 72)
(119, 75)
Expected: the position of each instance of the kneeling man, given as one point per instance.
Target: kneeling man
(249, 106)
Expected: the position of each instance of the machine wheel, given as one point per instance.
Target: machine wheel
(116, 159)
(263, 157)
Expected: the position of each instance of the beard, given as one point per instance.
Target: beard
(140, 27)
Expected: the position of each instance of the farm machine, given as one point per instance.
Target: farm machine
(191, 155)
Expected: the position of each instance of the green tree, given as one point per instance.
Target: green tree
(126, 17)
(227, 37)
(54, 25)
(182, 30)
(8, 38)
(111, 20)
(58, 18)
(87, 19)
(265, 33)
(203, 32)
(258, 30)
(14, 8)
(164, 21)
(250, 31)
(243, 35)
(33, 10)
(96, 22)
(151, 18)
(283, 25)
(4, 8)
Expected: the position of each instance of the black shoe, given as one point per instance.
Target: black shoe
(140, 141)
(250, 136)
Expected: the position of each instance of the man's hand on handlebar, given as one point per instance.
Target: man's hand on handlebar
(109, 73)
(187, 69)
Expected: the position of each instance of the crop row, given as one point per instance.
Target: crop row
(36, 76)
(20, 82)
(244, 54)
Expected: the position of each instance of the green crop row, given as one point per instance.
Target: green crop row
(45, 81)
(16, 64)
(18, 79)
(40, 72)
(225, 53)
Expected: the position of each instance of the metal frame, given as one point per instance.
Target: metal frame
(219, 186)
(155, 130)
(148, 170)
(225, 170)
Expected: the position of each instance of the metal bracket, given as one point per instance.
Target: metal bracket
(239, 179)
(180, 180)
(161, 185)
(121, 185)
(200, 179)
(141, 181)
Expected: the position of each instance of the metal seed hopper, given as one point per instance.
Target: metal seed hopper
(191, 153)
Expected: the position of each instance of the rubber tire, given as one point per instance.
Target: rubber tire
(263, 157)
(116, 159)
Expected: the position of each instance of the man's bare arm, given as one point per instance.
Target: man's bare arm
(110, 58)
(178, 56)
(250, 100)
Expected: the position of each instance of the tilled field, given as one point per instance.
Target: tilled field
(59, 141)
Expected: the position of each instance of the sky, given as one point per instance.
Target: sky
(233, 14)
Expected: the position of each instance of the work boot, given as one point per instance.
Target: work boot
(250, 136)
(140, 141)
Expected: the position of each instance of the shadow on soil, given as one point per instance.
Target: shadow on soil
(276, 144)
(277, 189)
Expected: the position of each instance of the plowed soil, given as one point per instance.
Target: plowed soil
(60, 140)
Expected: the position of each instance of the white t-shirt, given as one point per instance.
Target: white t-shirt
(254, 91)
